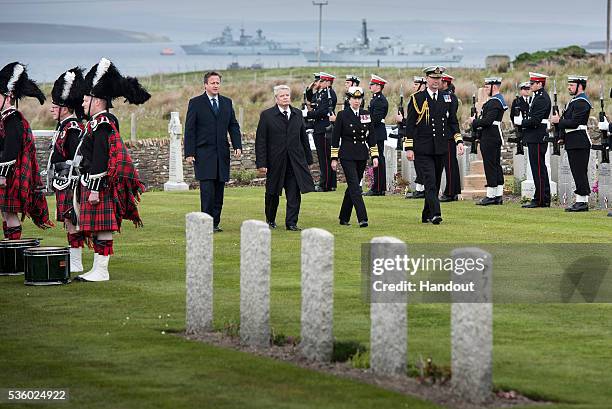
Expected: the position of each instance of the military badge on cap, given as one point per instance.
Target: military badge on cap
(537, 77)
(435, 71)
(317, 76)
(377, 80)
(355, 92)
(353, 78)
(419, 80)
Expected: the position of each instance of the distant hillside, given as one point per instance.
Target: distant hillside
(34, 33)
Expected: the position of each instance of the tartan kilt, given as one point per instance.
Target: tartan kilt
(100, 217)
(9, 203)
(63, 201)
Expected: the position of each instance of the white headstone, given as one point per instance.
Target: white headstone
(604, 184)
(528, 186)
(175, 172)
(199, 275)
(390, 163)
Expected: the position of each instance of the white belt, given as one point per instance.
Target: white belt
(545, 122)
(498, 124)
(580, 128)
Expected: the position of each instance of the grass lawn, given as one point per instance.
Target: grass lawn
(104, 341)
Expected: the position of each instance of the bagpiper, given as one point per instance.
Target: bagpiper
(66, 109)
(110, 187)
(491, 141)
(573, 128)
(21, 188)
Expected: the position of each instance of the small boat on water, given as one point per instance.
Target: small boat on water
(167, 51)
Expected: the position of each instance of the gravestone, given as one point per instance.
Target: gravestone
(390, 163)
(255, 244)
(528, 185)
(604, 184)
(176, 180)
(317, 342)
(199, 272)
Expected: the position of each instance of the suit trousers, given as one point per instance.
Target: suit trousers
(491, 160)
(451, 168)
(353, 171)
(327, 179)
(431, 172)
(579, 164)
(294, 199)
(211, 198)
(380, 173)
(539, 171)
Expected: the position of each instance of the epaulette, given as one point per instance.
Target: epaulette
(73, 125)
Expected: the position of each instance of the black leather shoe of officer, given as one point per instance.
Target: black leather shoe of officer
(609, 214)
(217, 229)
(445, 198)
(531, 205)
(499, 200)
(333, 189)
(272, 225)
(343, 223)
(436, 219)
(370, 193)
(418, 195)
(363, 223)
(319, 189)
(425, 221)
(487, 201)
(578, 207)
(293, 227)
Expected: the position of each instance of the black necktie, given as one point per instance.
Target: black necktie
(434, 96)
(286, 115)
(215, 106)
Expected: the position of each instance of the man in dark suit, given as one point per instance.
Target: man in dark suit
(378, 109)
(282, 152)
(428, 117)
(535, 129)
(210, 117)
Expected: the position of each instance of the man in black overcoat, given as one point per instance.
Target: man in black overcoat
(283, 153)
(210, 117)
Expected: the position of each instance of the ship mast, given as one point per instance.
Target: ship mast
(364, 34)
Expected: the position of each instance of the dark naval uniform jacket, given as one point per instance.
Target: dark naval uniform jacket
(428, 122)
(379, 107)
(356, 133)
(453, 130)
(534, 130)
(519, 105)
(573, 123)
(320, 113)
(492, 114)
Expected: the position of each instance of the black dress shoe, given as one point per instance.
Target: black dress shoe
(425, 221)
(417, 195)
(363, 223)
(445, 198)
(319, 189)
(487, 201)
(370, 193)
(530, 205)
(609, 214)
(217, 229)
(333, 189)
(578, 207)
(272, 225)
(343, 223)
(293, 227)
(436, 219)
(499, 200)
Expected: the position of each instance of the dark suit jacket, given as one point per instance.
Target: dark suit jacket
(206, 137)
(534, 130)
(280, 143)
(379, 107)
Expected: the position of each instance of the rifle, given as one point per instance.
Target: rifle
(604, 146)
(555, 136)
(308, 123)
(518, 139)
(329, 130)
(305, 99)
(475, 135)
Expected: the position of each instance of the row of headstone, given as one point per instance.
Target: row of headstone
(471, 322)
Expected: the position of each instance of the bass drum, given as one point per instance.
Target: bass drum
(47, 265)
(11, 255)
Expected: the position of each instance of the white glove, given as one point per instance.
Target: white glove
(518, 120)
(604, 125)
(304, 112)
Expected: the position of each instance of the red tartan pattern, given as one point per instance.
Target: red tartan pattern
(64, 205)
(76, 240)
(60, 141)
(123, 179)
(103, 247)
(23, 192)
(99, 217)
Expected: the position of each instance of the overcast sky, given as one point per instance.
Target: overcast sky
(551, 11)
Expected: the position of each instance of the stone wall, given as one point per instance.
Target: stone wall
(151, 157)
